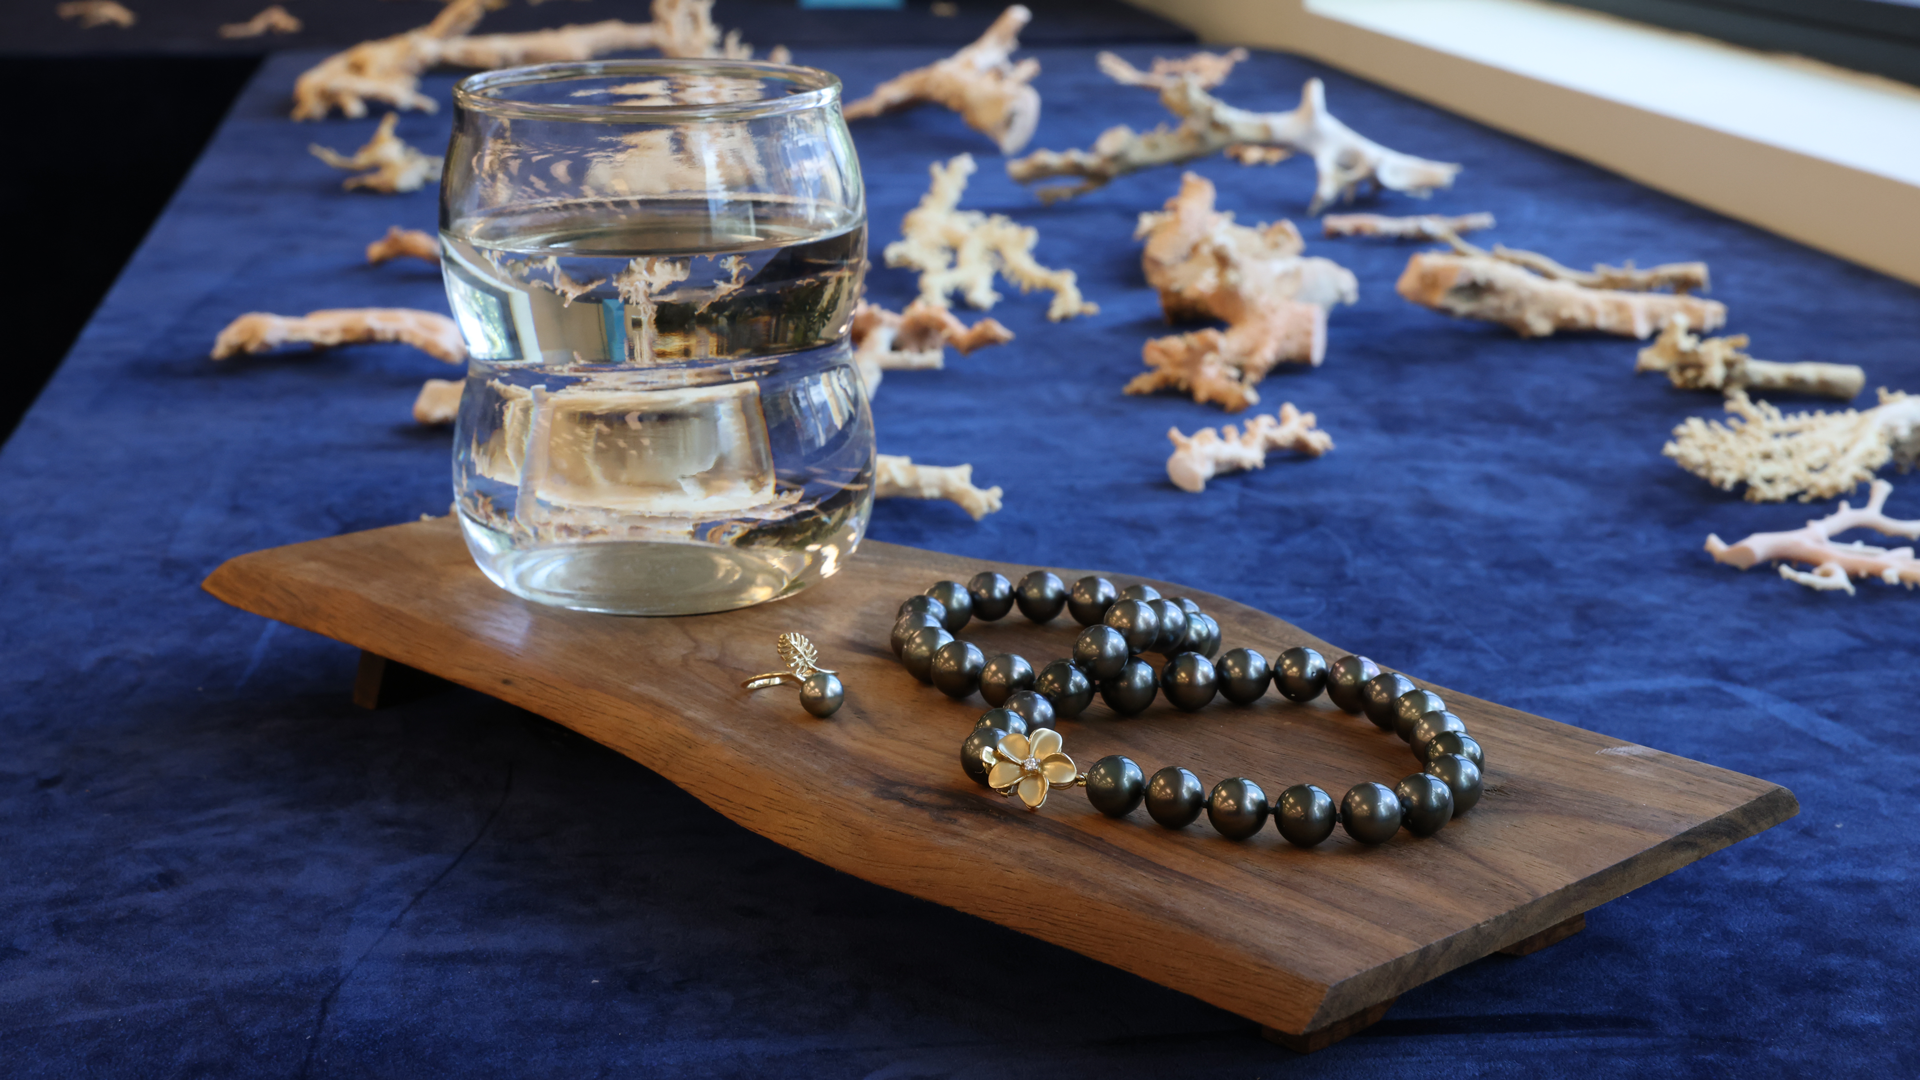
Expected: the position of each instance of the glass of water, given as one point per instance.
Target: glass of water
(654, 264)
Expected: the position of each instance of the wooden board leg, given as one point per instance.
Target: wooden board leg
(381, 682)
(1321, 1038)
(1552, 935)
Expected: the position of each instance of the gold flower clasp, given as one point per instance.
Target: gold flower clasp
(1029, 766)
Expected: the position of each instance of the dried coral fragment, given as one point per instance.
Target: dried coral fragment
(1693, 363)
(385, 70)
(395, 166)
(1815, 455)
(980, 82)
(439, 401)
(1346, 161)
(915, 339)
(94, 13)
(961, 250)
(1208, 452)
(1680, 277)
(1415, 227)
(1486, 288)
(258, 332)
(1273, 299)
(272, 20)
(898, 477)
(404, 243)
(1207, 69)
(1834, 565)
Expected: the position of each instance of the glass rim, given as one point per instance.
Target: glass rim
(479, 92)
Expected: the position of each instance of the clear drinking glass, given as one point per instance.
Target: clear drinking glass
(654, 264)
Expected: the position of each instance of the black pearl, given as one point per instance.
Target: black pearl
(1090, 599)
(1300, 674)
(1409, 707)
(1187, 605)
(1139, 592)
(978, 740)
(1370, 813)
(1426, 803)
(1100, 651)
(1237, 808)
(1379, 694)
(1304, 815)
(1431, 726)
(922, 605)
(1173, 627)
(1005, 721)
(992, 595)
(906, 625)
(1175, 797)
(1243, 676)
(1115, 785)
(1208, 642)
(1457, 743)
(1037, 710)
(1003, 675)
(1040, 595)
(956, 668)
(917, 654)
(1345, 677)
(1137, 623)
(821, 694)
(1188, 681)
(1065, 687)
(958, 602)
(1460, 774)
(1131, 691)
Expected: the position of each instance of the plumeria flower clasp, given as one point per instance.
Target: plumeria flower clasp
(1029, 766)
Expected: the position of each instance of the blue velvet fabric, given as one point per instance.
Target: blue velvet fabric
(214, 865)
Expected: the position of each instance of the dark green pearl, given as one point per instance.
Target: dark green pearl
(1005, 721)
(992, 595)
(1430, 727)
(1115, 786)
(907, 624)
(1461, 743)
(1237, 808)
(1175, 797)
(1305, 815)
(1139, 592)
(1004, 676)
(1100, 651)
(958, 602)
(1345, 677)
(1188, 681)
(1040, 595)
(1300, 674)
(1172, 637)
(1426, 803)
(1409, 707)
(1370, 813)
(1090, 599)
(956, 669)
(1065, 687)
(1243, 676)
(978, 740)
(821, 694)
(1379, 694)
(922, 605)
(1130, 692)
(917, 654)
(1037, 710)
(1460, 774)
(1137, 622)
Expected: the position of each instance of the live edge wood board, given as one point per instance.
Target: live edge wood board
(1309, 944)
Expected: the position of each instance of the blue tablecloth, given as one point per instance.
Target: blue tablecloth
(214, 865)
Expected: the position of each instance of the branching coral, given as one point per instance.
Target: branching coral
(389, 69)
(1834, 565)
(1346, 161)
(95, 13)
(1416, 227)
(258, 332)
(1491, 289)
(1680, 277)
(1207, 69)
(1208, 452)
(961, 250)
(1693, 363)
(980, 82)
(404, 243)
(272, 20)
(914, 340)
(1273, 299)
(1814, 455)
(395, 166)
(439, 401)
(899, 477)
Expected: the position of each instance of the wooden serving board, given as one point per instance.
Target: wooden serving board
(1310, 944)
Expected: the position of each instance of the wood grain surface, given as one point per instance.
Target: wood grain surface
(1297, 941)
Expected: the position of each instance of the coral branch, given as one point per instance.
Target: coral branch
(1484, 287)
(980, 82)
(1680, 277)
(272, 20)
(961, 250)
(407, 243)
(1417, 227)
(439, 401)
(1273, 299)
(1692, 363)
(898, 477)
(1834, 565)
(395, 166)
(1815, 455)
(1346, 161)
(914, 340)
(1208, 452)
(258, 332)
(1207, 69)
(95, 13)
